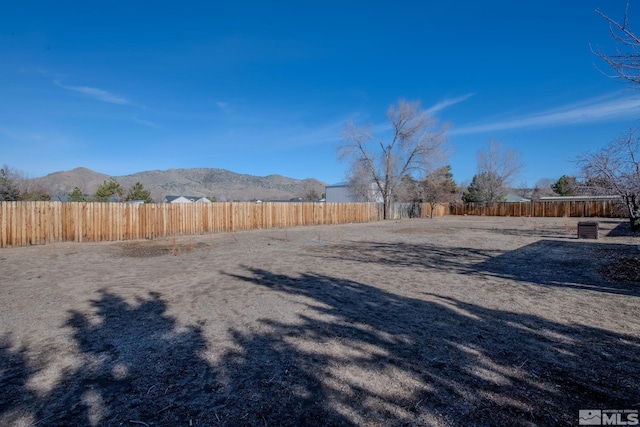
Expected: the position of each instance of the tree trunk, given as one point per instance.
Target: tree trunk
(634, 212)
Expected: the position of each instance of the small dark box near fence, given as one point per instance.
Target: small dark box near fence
(587, 230)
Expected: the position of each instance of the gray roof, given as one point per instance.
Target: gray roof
(513, 198)
(574, 198)
(192, 198)
(339, 184)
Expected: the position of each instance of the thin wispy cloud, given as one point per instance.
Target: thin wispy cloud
(289, 136)
(441, 105)
(448, 102)
(329, 132)
(26, 140)
(587, 111)
(20, 135)
(147, 123)
(96, 93)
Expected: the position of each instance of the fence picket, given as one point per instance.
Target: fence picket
(24, 223)
(555, 209)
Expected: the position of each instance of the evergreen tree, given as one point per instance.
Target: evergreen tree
(108, 190)
(311, 194)
(565, 186)
(76, 195)
(138, 192)
(35, 195)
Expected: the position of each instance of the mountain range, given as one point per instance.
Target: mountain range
(221, 184)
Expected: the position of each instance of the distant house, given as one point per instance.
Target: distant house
(342, 193)
(577, 198)
(513, 198)
(87, 198)
(292, 200)
(295, 199)
(186, 199)
(339, 192)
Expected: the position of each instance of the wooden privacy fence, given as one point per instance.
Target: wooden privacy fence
(416, 210)
(575, 208)
(34, 223)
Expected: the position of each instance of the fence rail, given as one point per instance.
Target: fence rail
(34, 223)
(576, 208)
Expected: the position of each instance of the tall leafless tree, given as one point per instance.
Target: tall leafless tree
(9, 191)
(498, 166)
(625, 61)
(501, 161)
(543, 189)
(439, 187)
(615, 170)
(377, 166)
(16, 185)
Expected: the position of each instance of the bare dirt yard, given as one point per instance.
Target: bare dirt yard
(444, 322)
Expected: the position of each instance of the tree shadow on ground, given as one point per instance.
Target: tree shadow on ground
(622, 229)
(139, 366)
(547, 262)
(572, 264)
(546, 233)
(384, 359)
(15, 372)
(423, 256)
(135, 364)
(355, 355)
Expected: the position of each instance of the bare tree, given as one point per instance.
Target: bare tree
(615, 170)
(439, 187)
(485, 187)
(409, 191)
(498, 166)
(523, 190)
(626, 59)
(377, 167)
(543, 189)
(501, 161)
(16, 185)
(9, 191)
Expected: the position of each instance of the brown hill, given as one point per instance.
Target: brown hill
(222, 184)
(62, 183)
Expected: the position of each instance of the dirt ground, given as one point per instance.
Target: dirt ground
(444, 322)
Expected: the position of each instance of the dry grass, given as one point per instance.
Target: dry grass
(474, 321)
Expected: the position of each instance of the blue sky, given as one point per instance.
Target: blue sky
(267, 87)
